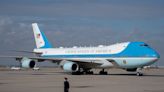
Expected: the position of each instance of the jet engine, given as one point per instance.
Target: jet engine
(70, 67)
(27, 63)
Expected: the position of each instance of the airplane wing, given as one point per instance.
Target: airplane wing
(54, 60)
(86, 64)
(83, 63)
(39, 59)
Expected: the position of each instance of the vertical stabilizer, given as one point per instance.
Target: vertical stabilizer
(40, 38)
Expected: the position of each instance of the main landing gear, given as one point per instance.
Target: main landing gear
(81, 72)
(103, 72)
(88, 72)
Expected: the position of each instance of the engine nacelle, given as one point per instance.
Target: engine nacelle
(27, 63)
(70, 67)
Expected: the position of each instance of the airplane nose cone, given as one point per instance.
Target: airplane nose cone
(153, 53)
(156, 55)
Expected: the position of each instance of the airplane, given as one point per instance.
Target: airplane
(130, 56)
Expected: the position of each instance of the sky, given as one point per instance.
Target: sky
(70, 23)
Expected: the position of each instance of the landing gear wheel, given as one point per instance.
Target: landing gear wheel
(77, 73)
(102, 72)
(139, 74)
(89, 72)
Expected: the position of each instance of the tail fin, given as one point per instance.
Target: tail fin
(40, 38)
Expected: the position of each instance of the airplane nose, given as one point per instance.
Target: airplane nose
(153, 53)
(156, 55)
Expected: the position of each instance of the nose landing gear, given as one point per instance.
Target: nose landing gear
(139, 72)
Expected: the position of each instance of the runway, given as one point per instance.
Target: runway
(51, 80)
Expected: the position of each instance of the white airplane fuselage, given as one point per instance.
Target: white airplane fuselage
(126, 55)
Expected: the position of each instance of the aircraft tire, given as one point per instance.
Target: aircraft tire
(139, 74)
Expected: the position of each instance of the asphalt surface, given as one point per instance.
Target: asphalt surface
(51, 80)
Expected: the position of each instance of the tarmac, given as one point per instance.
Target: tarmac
(51, 80)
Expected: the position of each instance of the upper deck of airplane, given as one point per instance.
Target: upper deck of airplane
(115, 48)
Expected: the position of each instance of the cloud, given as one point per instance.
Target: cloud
(13, 33)
(82, 22)
(5, 21)
(103, 9)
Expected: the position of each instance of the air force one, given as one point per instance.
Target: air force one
(130, 56)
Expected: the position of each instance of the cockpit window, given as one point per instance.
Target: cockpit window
(144, 45)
